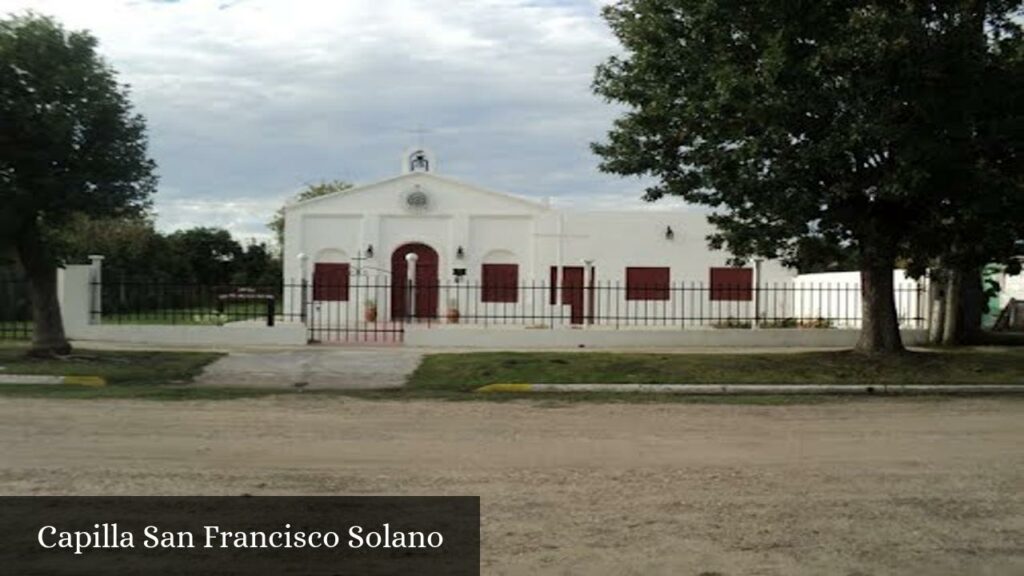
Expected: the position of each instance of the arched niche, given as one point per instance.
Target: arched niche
(332, 256)
(500, 257)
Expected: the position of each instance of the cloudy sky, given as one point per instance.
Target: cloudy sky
(248, 100)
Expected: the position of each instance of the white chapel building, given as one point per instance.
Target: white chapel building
(426, 229)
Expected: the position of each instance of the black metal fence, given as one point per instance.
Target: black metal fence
(146, 302)
(15, 309)
(613, 304)
(367, 309)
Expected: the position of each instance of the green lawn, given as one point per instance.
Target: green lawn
(196, 316)
(15, 330)
(464, 372)
(128, 373)
(124, 368)
(166, 375)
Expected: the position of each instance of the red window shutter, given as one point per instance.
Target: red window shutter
(647, 283)
(732, 284)
(500, 283)
(330, 282)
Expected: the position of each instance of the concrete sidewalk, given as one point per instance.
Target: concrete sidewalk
(352, 368)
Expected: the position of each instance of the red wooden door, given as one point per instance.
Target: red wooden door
(572, 292)
(426, 281)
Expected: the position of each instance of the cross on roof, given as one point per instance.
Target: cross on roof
(419, 131)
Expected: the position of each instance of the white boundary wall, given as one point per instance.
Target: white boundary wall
(75, 291)
(281, 335)
(497, 337)
(810, 301)
(76, 298)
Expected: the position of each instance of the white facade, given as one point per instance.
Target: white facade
(1010, 287)
(836, 296)
(468, 226)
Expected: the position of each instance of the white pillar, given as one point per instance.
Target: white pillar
(95, 288)
(410, 274)
(588, 276)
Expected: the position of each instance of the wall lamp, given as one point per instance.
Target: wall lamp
(460, 253)
(669, 233)
(369, 250)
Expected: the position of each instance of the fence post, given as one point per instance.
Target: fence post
(95, 288)
(303, 287)
(755, 324)
(588, 292)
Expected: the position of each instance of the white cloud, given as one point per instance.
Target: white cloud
(245, 218)
(247, 100)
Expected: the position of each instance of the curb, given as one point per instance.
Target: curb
(724, 389)
(94, 381)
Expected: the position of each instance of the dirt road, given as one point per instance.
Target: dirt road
(865, 487)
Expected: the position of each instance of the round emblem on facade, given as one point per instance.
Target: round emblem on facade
(417, 199)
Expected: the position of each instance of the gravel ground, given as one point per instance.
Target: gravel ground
(866, 487)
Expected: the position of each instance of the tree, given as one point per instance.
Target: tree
(257, 266)
(311, 191)
(805, 124)
(69, 143)
(131, 247)
(985, 112)
(209, 254)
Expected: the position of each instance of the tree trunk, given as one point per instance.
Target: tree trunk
(972, 305)
(48, 337)
(937, 301)
(880, 332)
(951, 327)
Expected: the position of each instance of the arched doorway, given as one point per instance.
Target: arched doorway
(426, 281)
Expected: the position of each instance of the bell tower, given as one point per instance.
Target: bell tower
(418, 159)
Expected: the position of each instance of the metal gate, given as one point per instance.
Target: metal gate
(351, 309)
(323, 331)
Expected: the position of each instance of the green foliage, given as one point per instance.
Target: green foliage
(69, 141)
(312, 191)
(210, 253)
(257, 265)
(128, 245)
(69, 144)
(889, 129)
(134, 250)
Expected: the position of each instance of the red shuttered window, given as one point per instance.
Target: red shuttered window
(330, 282)
(500, 282)
(732, 284)
(647, 283)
